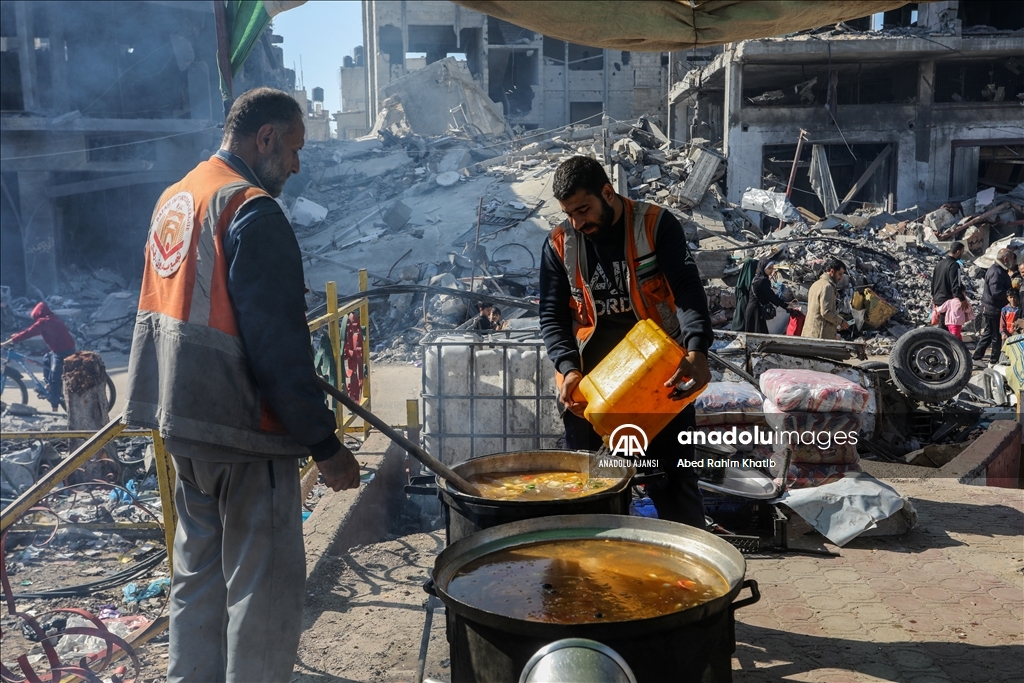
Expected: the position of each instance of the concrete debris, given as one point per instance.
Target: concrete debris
(305, 213)
(478, 206)
(437, 98)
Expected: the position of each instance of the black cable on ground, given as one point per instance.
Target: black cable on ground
(86, 589)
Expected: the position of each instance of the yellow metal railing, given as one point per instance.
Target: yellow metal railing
(94, 444)
(332, 319)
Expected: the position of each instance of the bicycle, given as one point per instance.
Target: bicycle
(12, 381)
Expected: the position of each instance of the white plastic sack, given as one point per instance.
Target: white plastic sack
(810, 391)
(775, 204)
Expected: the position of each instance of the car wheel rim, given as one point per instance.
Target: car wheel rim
(932, 362)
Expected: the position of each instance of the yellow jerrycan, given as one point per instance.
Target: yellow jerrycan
(627, 386)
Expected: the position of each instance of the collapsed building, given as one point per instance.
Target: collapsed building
(539, 81)
(921, 111)
(104, 105)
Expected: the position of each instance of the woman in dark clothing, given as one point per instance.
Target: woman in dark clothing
(743, 281)
(761, 292)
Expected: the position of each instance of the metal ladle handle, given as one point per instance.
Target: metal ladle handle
(429, 461)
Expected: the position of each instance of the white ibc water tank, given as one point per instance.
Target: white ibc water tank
(486, 394)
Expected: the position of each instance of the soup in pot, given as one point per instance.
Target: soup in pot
(586, 581)
(538, 485)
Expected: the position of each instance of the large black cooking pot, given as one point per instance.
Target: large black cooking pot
(693, 645)
(465, 515)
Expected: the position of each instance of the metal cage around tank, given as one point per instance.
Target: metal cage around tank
(487, 392)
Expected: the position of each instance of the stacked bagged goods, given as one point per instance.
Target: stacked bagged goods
(817, 418)
(729, 403)
(813, 392)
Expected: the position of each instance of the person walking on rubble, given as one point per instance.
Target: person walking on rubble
(997, 283)
(947, 281)
(761, 293)
(955, 315)
(612, 262)
(823, 320)
(221, 364)
(55, 333)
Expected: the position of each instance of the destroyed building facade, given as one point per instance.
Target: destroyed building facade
(103, 106)
(523, 71)
(920, 111)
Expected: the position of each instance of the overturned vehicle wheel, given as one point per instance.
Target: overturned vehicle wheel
(929, 364)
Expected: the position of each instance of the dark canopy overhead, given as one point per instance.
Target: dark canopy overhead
(671, 25)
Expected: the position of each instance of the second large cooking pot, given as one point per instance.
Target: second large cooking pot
(465, 515)
(692, 645)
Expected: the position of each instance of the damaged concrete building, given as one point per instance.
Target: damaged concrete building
(523, 71)
(104, 105)
(925, 110)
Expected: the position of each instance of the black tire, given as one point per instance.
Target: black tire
(111, 393)
(874, 366)
(14, 386)
(929, 364)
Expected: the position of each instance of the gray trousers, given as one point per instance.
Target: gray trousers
(239, 571)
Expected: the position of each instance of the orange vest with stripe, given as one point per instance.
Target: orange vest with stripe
(649, 291)
(188, 373)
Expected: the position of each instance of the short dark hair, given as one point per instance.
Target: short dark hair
(579, 173)
(835, 264)
(495, 309)
(256, 108)
(481, 305)
(955, 247)
(1014, 293)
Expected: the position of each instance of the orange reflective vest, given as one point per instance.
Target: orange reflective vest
(649, 291)
(188, 373)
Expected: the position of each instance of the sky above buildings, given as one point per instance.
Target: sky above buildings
(323, 33)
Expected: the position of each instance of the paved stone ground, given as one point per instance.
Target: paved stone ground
(944, 602)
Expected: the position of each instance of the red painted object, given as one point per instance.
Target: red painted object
(796, 324)
(352, 355)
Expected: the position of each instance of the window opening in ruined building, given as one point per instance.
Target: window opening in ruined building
(512, 73)
(12, 249)
(415, 60)
(997, 164)
(435, 41)
(999, 14)
(471, 43)
(501, 32)
(586, 113)
(111, 242)
(389, 42)
(583, 58)
(1000, 80)
(554, 50)
(846, 169)
(625, 58)
(900, 17)
(802, 85)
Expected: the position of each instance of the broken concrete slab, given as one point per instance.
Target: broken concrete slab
(442, 96)
(397, 216)
(706, 164)
(305, 212)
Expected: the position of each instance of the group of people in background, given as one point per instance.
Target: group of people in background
(489, 319)
(1000, 300)
(757, 302)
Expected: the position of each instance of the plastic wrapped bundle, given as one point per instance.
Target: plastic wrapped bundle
(813, 392)
(814, 438)
(729, 403)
